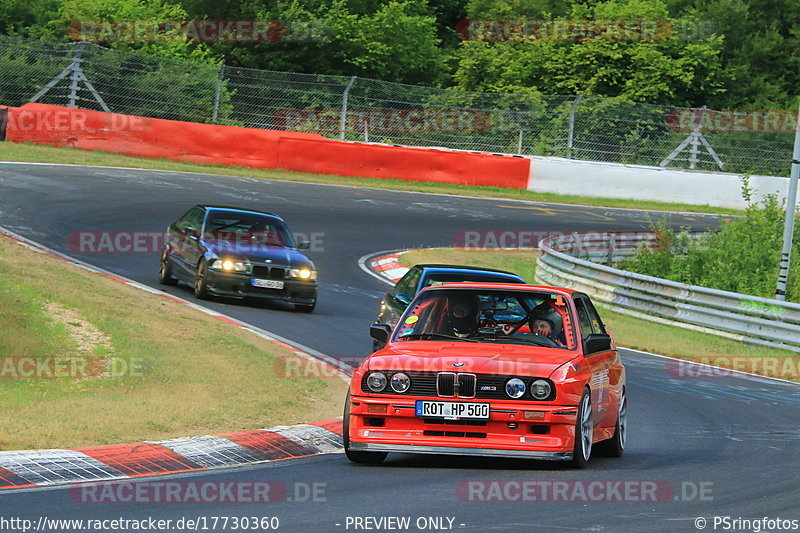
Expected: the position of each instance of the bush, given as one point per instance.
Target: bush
(741, 256)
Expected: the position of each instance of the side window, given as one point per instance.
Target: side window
(583, 318)
(408, 285)
(594, 318)
(192, 220)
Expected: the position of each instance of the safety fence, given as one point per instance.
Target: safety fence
(591, 128)
(568, 263)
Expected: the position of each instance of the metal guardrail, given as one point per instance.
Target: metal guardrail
(751, 319)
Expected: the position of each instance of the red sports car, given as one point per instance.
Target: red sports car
(490, 369)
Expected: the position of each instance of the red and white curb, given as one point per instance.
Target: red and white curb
(30, 468)
(38, 468)
(384, 266)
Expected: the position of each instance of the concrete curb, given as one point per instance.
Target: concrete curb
(29, 468)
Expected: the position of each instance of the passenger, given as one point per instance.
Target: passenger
(547, 322)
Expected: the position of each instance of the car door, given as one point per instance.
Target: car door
(600, 361)
(187, 248)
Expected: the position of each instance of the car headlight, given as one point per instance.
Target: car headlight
(376, 381)
(229, 265)
(302, 273)
(400, 382)
(541, 389)
(515, 388)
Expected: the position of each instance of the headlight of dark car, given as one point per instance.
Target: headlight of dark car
(230, 265)
(303, 273)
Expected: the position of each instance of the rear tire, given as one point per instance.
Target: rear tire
(165, 276)
(370, 458)
(201, 280)
(584, 429)
(615, 446)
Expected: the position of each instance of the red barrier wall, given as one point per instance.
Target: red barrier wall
(256, 148)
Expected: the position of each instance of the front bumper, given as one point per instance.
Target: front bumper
(505, 434)
(453, 450)
(234, 285)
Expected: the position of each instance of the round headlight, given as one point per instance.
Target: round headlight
(541, 389)
(400, 382)
(515, 388)
(376, 381)
(227, 265)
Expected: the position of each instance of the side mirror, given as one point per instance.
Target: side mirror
(303, 245)
(597, 342)
(380, 332)
(402, 298)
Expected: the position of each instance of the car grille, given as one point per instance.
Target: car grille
(480, 386)
(267, 272)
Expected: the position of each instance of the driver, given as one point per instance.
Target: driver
(462, 315)
(546, 321)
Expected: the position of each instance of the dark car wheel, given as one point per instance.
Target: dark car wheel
(305, 308)
(372, 458)
(583, 432)
(201, 280)
(615, 446)
(165, 270)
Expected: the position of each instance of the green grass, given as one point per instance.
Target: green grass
(628, 331)
(179, 372)
(47, 154)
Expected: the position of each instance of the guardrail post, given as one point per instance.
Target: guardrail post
(343, 118)
(215, 113)
(788, 228)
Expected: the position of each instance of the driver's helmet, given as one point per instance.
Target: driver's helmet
(544, 311)
(463, 313)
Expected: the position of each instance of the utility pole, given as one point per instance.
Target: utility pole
(791, 207)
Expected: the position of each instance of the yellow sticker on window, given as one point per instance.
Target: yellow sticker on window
(411, 319)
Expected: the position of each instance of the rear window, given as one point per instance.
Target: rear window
(440, 278)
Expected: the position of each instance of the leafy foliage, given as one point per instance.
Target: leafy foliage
(741, 256)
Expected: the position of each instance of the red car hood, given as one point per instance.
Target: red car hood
(502, 359)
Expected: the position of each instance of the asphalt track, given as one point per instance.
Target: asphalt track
(720, 446)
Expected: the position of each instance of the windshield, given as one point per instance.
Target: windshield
(247, 230)
(489, 316)
(438, 278)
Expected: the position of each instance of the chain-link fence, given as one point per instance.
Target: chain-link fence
(592, 128)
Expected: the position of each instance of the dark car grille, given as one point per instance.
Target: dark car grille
(480, 386)
(266, 272)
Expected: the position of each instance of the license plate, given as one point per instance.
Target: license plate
(452, 410)
(267, 283)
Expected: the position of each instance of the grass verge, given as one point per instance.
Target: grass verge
(628, 331)
(117, 364)
(48, 154)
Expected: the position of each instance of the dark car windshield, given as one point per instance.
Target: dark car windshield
(438, 278)
(491, 316)
(247, 230)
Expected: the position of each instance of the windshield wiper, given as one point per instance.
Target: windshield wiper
(437, 335)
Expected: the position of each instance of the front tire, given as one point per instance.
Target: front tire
(165, 276)
(584, 429)
(615, 446)
(201, 280)
(371, 458)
